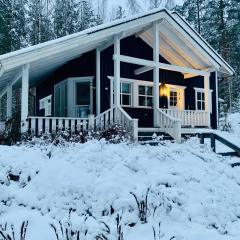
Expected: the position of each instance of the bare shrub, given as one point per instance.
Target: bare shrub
(9, 233)
(157, 233)
(142, 205)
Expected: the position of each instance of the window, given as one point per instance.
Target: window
(46, 105)
(126, 94)
(200, 100)
(145, 96)
(173, 98)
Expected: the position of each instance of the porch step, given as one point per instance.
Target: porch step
(148, 136)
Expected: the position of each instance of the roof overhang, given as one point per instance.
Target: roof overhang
(179, 44)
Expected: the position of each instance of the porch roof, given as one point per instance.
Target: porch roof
(179, 44)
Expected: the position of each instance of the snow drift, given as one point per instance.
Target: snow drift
(193, 193)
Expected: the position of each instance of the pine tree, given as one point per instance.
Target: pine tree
(86, 17)
(65, 17)
(39, 22)
(12, 25)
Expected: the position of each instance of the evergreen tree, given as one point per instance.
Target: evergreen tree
(12, 25)
(39, 22)
(86, 17)
(65, 17)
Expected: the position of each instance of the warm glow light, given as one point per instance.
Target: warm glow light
(164, 90)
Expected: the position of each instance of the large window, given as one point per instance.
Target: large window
(145, 96)
(173, 98)
(200, 100)
(126, 94)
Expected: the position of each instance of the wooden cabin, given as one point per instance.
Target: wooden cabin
(150, 71)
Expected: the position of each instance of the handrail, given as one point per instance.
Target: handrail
(170, 124)
(117, 115)
(189, 117)
(214, 137)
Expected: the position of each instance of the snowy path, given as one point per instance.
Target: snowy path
(195, 192)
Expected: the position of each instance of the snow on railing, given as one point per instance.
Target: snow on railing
(171, 125)
(116, 115)
(38, 125)
(189, 117)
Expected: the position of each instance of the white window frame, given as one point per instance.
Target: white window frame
(128, 94)
(45, 105)
(144, 95)
(173, 90)
(202, 90)
(71, 93)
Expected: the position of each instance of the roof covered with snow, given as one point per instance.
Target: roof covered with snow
(179, 44)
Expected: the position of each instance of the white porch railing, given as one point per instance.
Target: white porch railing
(117, 115)
(38, 125)
(189, 117)
(170, 125)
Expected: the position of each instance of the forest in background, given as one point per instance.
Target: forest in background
(29, 22)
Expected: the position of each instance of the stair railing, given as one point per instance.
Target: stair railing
(170, 125)
(117, 115)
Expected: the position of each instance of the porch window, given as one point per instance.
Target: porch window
(200, 100)
(145, 96)
(46, 105)
(126, 94)
(173, 98)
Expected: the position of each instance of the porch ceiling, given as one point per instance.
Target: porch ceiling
(179, 45)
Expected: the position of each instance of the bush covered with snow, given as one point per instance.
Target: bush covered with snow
(100, 190)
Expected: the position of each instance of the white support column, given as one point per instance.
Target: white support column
(156, 72)
(207, 96)
(9, 101)
(25, 93)
(98, 83)
(116, 71)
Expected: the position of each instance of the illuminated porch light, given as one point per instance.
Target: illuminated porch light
(164, 90)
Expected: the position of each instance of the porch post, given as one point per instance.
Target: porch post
(98, 86)
(207, 96)
(25, 93)
(116, 71)
(155, 72)
(9, 101)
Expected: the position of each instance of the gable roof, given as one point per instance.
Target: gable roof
(179, 44)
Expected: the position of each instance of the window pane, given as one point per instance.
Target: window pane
(149, 91)
(83, 93)
(149, 101)
(203, 96)
(203, 105)
(141, 90)
(126, 88)
(141, 101)
(126, 100)
(199, 97)
(199, 107)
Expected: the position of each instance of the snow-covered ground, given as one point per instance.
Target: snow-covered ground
(194, 193)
